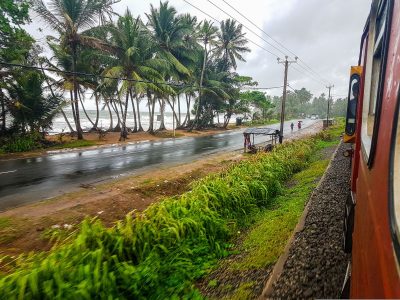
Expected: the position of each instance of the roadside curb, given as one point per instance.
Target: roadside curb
(278, 268)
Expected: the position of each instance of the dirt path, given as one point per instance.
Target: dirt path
(25, 228)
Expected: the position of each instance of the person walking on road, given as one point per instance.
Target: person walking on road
(292, 126)
(299, 125)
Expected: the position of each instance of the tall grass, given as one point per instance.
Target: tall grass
(157, 254)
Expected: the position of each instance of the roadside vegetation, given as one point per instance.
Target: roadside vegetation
(243, 274)
(160, 252)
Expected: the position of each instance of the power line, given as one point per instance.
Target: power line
(311, 75)
(249, 29)
(289, 86)
(211, 17)
(251, 22)
(92, 75)
(115, 78)
(219, 22)
(277, 42)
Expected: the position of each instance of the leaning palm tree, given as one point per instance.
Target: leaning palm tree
(69, 18)
(232, 43)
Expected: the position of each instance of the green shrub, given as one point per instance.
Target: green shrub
(157, 254)
(21, 143)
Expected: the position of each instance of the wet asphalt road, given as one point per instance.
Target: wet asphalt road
(31, 179)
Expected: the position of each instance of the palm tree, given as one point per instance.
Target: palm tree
(232, 43)
(69, 18)
(168, 31)
(30, 107)
(207, 34)
(134, 53)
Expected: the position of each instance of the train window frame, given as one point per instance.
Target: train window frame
(354, 77)
(377, 51)
(394, 180)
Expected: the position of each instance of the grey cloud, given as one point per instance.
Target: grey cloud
(325, 34)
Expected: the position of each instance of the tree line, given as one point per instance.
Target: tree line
(164, 58)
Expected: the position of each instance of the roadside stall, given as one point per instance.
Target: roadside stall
(250, 145)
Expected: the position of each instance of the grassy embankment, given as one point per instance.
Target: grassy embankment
(260, 246)
(160, 253)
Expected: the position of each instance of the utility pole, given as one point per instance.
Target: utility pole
(329, 87)
(285, 62)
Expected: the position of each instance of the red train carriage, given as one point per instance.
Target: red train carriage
(372, 220)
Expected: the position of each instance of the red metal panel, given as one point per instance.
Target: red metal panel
(375, 270)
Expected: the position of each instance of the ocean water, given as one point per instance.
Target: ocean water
(59, 124)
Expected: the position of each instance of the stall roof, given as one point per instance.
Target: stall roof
(261, 131)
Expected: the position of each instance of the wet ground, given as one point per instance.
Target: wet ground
(31, 179)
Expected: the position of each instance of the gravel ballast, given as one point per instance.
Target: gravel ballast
(316, 263)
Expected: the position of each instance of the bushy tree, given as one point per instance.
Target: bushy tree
(31, 108)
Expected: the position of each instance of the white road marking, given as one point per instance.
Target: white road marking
(8, 172)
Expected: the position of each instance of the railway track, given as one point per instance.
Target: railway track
(314, 264)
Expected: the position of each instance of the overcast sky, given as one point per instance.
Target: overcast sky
(325, 34)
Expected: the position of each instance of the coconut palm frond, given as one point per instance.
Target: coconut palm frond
(40, 8)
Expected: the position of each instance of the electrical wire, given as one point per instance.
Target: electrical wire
(249, 29)
(219, 22)
(311, 75)
(308, 75)
(277, 42)
(90, 74)
(115, 78)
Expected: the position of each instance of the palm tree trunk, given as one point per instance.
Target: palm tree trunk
(151, 104)
(162, 111)
(226, 119)
(72, 106)
(71, 130)
(135, 129)
(115, 108)
(188, 100)
(96, 123)
(124, 131)
(67, 121)
(150, 129)
(84, 110)
(110, 128)
(187, 117)
(3, 112)
(78, 122)
(174, 115)
(179, 109)
(140, 128)
(196, 120)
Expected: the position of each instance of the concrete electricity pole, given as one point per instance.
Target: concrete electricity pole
(285, 62)
(329, 87)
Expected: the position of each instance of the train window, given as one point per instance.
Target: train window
(395, 181)
(354, 89)
(375, 69)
